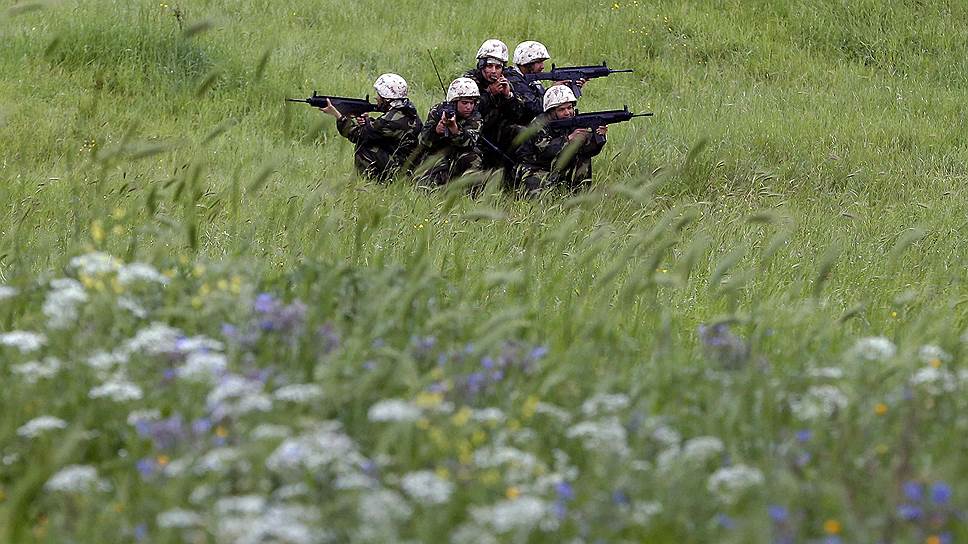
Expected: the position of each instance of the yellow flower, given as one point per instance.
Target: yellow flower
(443, 473)
(512, 493)
(933, 539)
(880, 408)
(530, 405)
(461, 417)
(199, 270)
(465, 454)
(832, 527)
(478, 437)
(163, 460)
(427, 399)
(893, 314)
(119, 507)
(935, 363)
(117, 214)
(222, 285)
(196, 302)
(97, 232)
(221, 431)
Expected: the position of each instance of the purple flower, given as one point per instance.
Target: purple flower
(475, 381)
(201, 426)
(832, 539)
(564, 491)
(146, 467)
(619, 497)
(264, 303)
(914, 491)
(725, 521)
(230, 331)
(940, 493)
(803, 459)
(538, 353)
(140, 532)
(909, 512)
(560, 509)
(804, 435)
(497, 375)
(487, 363)
(369, 365)
(778, 513)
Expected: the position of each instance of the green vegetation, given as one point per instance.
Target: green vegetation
(803, 181)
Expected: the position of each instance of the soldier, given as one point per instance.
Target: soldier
(502, 112)
(448, 140)
(557, 157)
(384, 143)
(530, 58)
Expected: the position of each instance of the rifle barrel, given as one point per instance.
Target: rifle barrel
(297, 100)
(620, 71)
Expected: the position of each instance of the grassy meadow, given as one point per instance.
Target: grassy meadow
(753, 328)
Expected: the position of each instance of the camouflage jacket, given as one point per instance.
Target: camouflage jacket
(531, 93)
(431, 142)
(497, 111)
(543, 148)
(394, 132)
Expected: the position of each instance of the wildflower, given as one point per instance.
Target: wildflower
(133, 306)
(34, 371)
(62, 301)
(299, 393)
(203, 366)
(94, 264)
(933, 380)
(643, 512)
(522, 514)
(38, 425)
(103, 360)
(606, 435)
(667, 436)
(604, 404)
(875, 348)
(76, 478)
(178, 519)
(940, 493)
(909, 512)
(235, 396)
(819, 402)
(383, 507)
(324, 446)
(832, 527)
(914, 491)
(702, 449)
(117, 390)
(933, 355)
(393, 410)
(140, 272)
(830, 373)
(488, 415)
(155, 339)
(778, 513)
(23, 340)
(725, 521)
(731, 483)
(880, 408)
(7, 292)
(426, 487)
(804, 435)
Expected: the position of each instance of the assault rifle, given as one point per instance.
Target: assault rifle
(351, 107)
(574, 73)
(595, 119)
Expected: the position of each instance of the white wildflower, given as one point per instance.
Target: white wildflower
(34, 371)
(488, 415)
(177, 467)
(243, 504)
(118, 390)
(220, 460)
(7, 292)
(394, 410)
(604, 404)
(874, 348)
(62, 301)
(133, 306)
(702, 449)
(666, 435)
(819, 402)
(38, 425)
(76, 478)
(299, 393)
(236, 396)
(103, 360)
(198, 343)
(23, 340)
(353, 480)
(292, 491)
(203, 366)
(934, 381)
(96, 263)
(155, 339)
(178, 519)
(643, 512)
(522, 514)
(932, 354)
(827, 372)
(471, 533)
(554, 412)
(283, 524)
(140, 272)
(138, 416)
(426, 487)
(324, 446)
(268, 431)
(606, 435)
(731, 483)
(519, 466)
(668, 458)
(383, 507)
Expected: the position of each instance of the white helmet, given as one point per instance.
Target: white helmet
(528, 52)
(462, 87)
(493, 49)
(391, 86)
(557, 95)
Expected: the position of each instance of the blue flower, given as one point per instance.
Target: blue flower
(538, 352)
(909, 512)
(804, 435)
(146, 467)
(487, 363)
(940, 493)
(264, 303)
(725, 521)
(914, 491)
(619, 497)
(778, 513)
(564, 490)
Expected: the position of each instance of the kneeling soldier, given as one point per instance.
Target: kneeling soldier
(382, 144)
(448, 140)
(557, 157)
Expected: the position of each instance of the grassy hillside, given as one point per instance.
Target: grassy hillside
(802, 184)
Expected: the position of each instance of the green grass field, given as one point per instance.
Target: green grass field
(280, 351)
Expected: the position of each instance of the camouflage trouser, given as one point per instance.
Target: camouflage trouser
(444, 168)
(531, 179)
(374, 162)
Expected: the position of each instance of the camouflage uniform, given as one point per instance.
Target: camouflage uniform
(530, 92)
(383, 144)
(449, 156)
(501, 120)
(537, 158)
